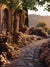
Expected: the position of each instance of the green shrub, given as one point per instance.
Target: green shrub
(49, 31)
(43, 24)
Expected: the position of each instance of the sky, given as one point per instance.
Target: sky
(40, 11)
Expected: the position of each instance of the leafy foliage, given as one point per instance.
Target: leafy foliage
(47, 7)
(29, 4)
(42, 24)
(42, 2)
(13, 4)
(48, 31)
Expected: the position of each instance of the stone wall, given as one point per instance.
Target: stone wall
(3, 22)
(0, 19)
(2, 8)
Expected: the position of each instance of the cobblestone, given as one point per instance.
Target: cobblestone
(28, 56)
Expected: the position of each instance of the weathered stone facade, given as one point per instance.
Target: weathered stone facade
(5, 19)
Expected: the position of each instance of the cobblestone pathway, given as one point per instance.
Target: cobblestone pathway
(28, 56)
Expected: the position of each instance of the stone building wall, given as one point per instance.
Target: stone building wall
(16, 21)
(0, 19)
(2, 8)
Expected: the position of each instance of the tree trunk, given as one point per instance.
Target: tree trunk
(21, 19)
(16, 22)
(12, 19)
(17, 27)
(26, 20)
